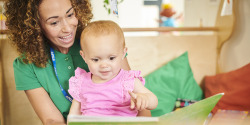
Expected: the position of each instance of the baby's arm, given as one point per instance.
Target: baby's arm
(142, 98)
(75, 108)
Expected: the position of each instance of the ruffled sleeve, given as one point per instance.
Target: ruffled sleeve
(128, 82)
(75, 83)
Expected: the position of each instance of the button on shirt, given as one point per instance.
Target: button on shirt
(28, 76)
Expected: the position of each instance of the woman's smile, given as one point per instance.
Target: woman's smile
(68, 38)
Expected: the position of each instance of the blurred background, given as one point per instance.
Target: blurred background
(145, 13)
(215, 33)
(191, 13)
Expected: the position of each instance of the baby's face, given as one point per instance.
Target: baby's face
(104, 56)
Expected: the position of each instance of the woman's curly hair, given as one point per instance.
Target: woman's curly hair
(25, 30)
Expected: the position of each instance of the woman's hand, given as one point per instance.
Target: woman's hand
(52, 122)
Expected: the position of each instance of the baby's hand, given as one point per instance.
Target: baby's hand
(139, 100)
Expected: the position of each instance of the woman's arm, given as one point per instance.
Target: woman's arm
(44, 107)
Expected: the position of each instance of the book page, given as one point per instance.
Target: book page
(194, 114)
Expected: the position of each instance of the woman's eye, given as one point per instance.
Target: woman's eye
(54, 23)
(95, 60)
(111, 58)
(70, 14)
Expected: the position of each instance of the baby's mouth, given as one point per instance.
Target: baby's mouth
(104, 72)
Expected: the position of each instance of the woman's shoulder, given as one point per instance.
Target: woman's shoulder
(22, 62)
(19, 62)
(24, 74)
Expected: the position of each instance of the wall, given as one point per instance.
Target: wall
(200, 12)
(129, 11)
(235, 52)
(200, 9)
(133, 14)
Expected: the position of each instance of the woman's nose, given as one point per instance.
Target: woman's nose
(66, 27)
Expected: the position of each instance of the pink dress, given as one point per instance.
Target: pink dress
(105, 99)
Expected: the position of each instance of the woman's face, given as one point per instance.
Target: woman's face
(58, 23)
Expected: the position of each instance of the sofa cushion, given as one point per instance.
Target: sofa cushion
(235, 85)
(173, 81)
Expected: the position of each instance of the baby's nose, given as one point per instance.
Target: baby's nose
(104, 65)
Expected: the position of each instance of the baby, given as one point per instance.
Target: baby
(107, 90)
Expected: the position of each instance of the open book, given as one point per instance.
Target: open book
(194, 114)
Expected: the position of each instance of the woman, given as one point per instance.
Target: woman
(45, 33)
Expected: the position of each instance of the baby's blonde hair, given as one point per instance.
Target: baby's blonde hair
(101, 28)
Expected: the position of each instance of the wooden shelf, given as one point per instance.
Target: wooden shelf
(3, 31)
(165, 29)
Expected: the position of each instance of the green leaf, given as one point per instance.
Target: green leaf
(105, 7)
(106, 1)
(119, 2)
(109, 11)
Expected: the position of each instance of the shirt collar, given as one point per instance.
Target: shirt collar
(74, 50)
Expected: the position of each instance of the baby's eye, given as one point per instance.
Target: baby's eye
(111, 58)
(95, 60)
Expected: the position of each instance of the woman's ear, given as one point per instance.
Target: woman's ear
(82, 54)
(124, 52)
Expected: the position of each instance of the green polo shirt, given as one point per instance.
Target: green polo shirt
(28, 76)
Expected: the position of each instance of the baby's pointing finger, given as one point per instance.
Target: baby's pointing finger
(146, 106)
(133, 95)
(132, 104)
(143, 104)
(138, 103)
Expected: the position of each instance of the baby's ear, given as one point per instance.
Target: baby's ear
(82, 54)
(124, 52)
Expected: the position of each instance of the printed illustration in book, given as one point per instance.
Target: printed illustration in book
(194, 114)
